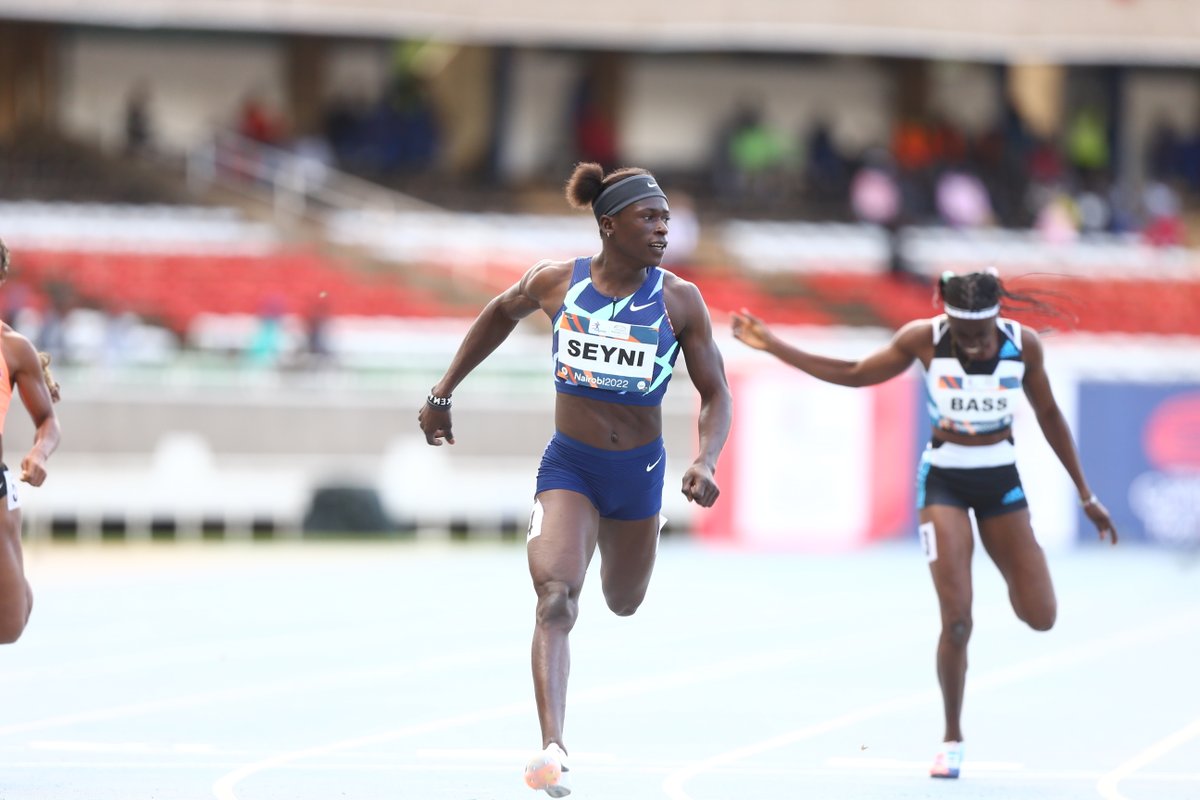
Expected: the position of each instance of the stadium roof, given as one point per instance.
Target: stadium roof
(1087, 31)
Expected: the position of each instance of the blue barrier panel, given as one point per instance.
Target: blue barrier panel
(1140, 446)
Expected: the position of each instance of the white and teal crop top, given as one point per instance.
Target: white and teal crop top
(620, 350)
(979, 398)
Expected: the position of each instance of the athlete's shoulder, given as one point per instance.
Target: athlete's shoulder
(679, 287)
(10, 334)
(551, 267)
(916, 329)
(546, 275)
(682, 297)
(1031, 342)
(915, 338)
(18, 349)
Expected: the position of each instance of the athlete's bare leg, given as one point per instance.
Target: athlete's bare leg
(627, 551)
(16, 598)
(951, 572)
(1008, 539)
(560, 548)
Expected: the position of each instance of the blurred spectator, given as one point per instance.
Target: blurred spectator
(593, 129)
(962, 200)
(825, 171)
(266, 347)
(255, 122)
(320, 351)
(1087, 143)
(875, 198)
(1163, 151)
(761, 158)
(1164, 226)
(874, 195)
(16, 303)
(51, 335)
(343, 124)
(139, 131)
(1045, 165)
(1058, 219)
(119, 328)
(1095, 215)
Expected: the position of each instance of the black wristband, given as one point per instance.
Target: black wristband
(438, 402)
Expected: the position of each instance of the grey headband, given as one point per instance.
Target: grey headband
(625, 192)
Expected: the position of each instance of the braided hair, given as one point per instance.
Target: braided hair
(975, 291)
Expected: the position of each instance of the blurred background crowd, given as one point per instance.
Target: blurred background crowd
(220, 219)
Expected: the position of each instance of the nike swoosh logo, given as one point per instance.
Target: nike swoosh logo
(655, 464)
(636, 307)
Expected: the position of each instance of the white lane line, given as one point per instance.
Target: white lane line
(128, 748)
(1074, 654)
(730, 668)
(1107, 785)
(469, 755)
(884, 764)
(224, 787)
(257, 691)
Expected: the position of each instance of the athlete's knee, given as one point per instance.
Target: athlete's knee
(12, 624)
(557, 605)
(624, 605)
(1041, 618)
(957, 631)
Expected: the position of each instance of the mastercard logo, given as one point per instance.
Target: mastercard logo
(1172, 434)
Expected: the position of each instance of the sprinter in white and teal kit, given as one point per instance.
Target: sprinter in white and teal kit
(975, 361)
(620, 321)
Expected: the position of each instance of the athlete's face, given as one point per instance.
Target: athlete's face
(640, 230)
(977, 339)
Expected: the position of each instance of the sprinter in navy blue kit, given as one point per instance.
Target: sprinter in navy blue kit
(619, 323)
(975, 362)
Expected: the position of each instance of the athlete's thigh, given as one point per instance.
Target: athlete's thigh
(14, 590)
(1009, 540)
(949, 544)
(561, 538)
(627, 552)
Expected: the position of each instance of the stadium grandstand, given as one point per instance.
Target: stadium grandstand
(231, 222)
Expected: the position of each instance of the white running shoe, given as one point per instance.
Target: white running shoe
(548, 770)
(948, 761)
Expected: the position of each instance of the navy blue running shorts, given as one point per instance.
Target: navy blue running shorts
(621, 484)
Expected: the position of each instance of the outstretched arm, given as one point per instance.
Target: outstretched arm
(26, 369)
(707, 371)
(1054, 427)
(882, 365)
(489, 330)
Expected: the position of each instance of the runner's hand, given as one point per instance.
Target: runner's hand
(699, 486)
(435, 423)
(750, 329)
(1098, 514)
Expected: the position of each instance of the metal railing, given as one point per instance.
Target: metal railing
(295, 183)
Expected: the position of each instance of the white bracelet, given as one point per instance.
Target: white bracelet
(1091, 501)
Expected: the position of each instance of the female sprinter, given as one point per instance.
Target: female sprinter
(28, 371)
(973, 359)
(619, 322)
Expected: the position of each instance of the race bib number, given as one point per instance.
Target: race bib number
(604, 354)
(10, 483)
